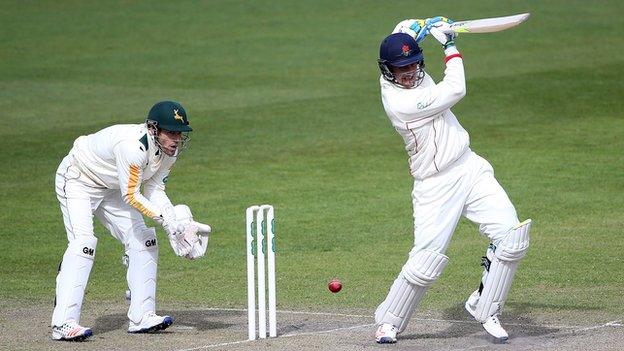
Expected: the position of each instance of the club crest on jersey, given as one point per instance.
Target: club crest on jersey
(405, 50)
(177, 116)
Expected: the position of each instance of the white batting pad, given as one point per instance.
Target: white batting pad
(507, 256)
(72, 279)
(418, 273)
(142, 267)
(424, 267)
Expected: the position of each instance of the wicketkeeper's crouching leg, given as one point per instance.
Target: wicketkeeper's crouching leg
(71, 282)
(418, 274)
(142, 254)
(500, 263)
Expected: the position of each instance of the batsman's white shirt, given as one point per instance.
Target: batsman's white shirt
(124, 157)
(449, 179)
(433, 137)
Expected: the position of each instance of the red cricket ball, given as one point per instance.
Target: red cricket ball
(334, 285)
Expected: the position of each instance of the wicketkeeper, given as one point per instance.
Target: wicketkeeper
(102, 176)
(450, 181)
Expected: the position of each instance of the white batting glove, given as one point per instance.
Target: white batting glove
(447, 40)
(414, 27)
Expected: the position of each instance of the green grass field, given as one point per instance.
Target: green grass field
(284, 100)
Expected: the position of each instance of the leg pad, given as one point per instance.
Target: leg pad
(502, 269)
(418, 273)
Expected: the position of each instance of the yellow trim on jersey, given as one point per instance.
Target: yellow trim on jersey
(133, 182)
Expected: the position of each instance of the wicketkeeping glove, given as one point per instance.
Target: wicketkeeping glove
(195, 234)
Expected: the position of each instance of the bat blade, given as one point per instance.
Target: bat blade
(487, 25)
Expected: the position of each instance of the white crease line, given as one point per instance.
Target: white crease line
(475, 347)
(216, 345)
(294, 312)
(326, 331)
(616, 323)
(280, 336)
(328, 314)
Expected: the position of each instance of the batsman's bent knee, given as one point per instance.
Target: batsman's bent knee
(424, 267)
(509, 251)
(514, 246)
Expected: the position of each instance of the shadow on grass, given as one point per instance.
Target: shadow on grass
(460, 324)
(199, 320)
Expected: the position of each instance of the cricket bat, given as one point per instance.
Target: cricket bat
(487, 25)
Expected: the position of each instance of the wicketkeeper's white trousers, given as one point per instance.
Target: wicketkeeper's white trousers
(79, 200)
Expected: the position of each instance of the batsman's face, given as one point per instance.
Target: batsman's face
(169, 141)
(406, 75)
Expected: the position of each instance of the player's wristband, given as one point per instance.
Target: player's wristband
(449, 57)
(448, 44)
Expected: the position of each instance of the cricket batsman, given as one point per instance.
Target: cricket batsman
(102, 175)
(450, 180)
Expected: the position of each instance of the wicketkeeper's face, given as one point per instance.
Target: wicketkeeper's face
(169, 141)
(406, 75)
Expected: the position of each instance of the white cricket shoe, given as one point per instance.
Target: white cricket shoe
(150, 323)
(491, 325)
(71, 331)
(386, 334)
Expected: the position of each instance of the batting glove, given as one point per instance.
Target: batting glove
(423, 27)
(414, 27)
(446, 39)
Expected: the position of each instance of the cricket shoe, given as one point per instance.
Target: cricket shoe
(150, 323)
(71, 331)
(386, 334)
(491, 325)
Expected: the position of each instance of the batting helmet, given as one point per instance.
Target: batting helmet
(399, 50)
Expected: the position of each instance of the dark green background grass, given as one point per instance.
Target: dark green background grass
(284, 100)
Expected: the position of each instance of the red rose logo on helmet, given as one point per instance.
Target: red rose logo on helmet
(177, 116)
(406, 50)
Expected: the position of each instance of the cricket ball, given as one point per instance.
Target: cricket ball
(334, 285)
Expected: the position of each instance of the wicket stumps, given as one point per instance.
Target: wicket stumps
(260, 243)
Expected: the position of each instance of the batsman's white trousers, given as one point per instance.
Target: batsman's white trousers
(467, 188)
